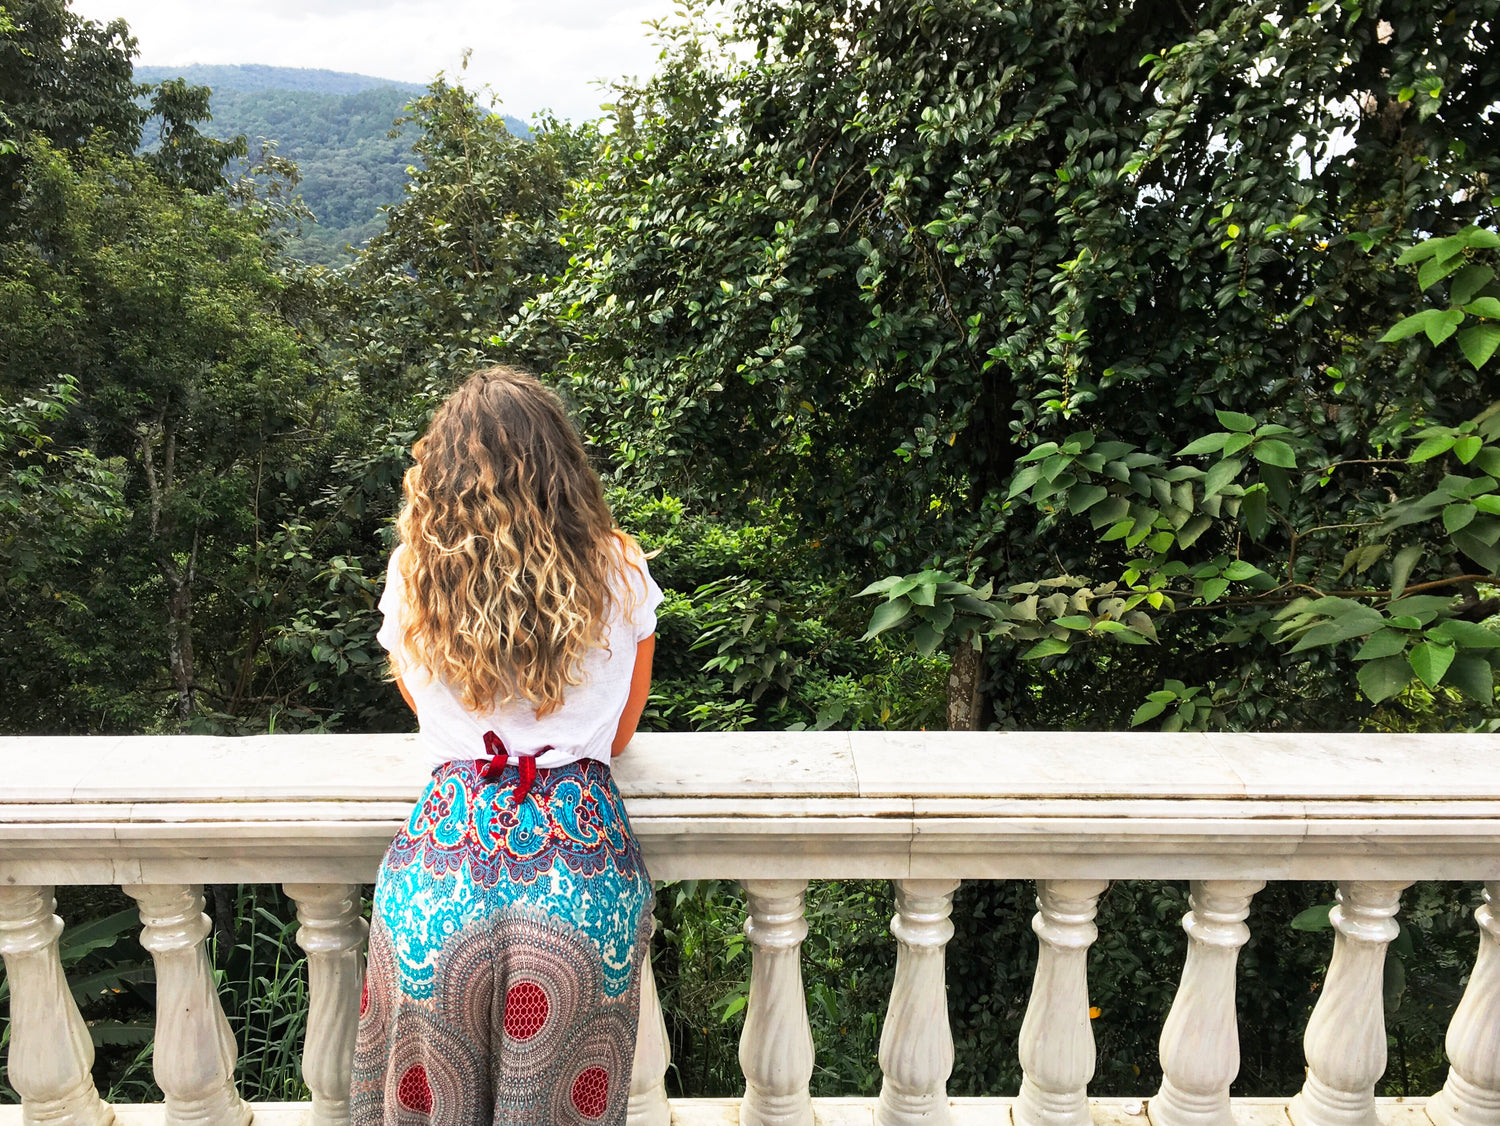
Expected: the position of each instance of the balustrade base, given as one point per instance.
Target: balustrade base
(837, 1112)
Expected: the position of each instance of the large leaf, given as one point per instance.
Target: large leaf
(1469, 281)
(887, 615)
(1208, 444)
(1479, 343)
(1485, 554)
(103, 1032)
(1409, 326)
(1382, 679)
(1401, 567)
(1477, 238)
(1356, 621)
(1472, 675)
(1083, 497)
(98, 934)
(1253, 507)
(1147, 711)
(1382, 643)
(1221, 473)
(1430, 447)
(1457, 517)
(1314, 919)
(1435, 269)
(1233, 420)
(1430, 661)
(90, 986)
(1444, 325)
(1273, 451)
(1047, 647)
(1188, 534)
(1469, 635)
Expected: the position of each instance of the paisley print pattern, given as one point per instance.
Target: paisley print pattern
(501, 985)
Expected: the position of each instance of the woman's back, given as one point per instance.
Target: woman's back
(583, 726)
(512, 911)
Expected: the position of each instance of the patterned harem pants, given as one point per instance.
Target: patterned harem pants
(502, 983)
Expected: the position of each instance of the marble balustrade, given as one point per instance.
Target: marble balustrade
(159, 817)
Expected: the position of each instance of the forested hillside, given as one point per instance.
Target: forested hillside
(335, 126)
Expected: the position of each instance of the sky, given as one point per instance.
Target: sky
(534, 54)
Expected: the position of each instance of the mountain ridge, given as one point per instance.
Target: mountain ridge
(254, 77)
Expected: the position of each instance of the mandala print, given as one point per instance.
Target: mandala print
(501, 985)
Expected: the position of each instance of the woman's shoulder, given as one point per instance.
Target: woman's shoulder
(629, 547)
(641, 594)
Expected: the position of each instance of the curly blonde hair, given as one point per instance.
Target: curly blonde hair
(510, 546)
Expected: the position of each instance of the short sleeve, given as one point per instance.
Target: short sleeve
(644, 595)
(391, 601)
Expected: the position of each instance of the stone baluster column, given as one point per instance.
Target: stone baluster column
(1345, 1038)
(776, 1050)
(1057, 1044)
(648, 1086)
(1200, 1044)
(1471, 1096)
(332, 933)
(50, 1051)
(916, 1045)
(193, 1060)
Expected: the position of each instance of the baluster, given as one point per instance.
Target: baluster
(1471, 1096)
(648, 1087)
(332, 932)
(1057, 1044)
(50, 1050)
(916, 1046)
(1200, 1044)
(193, 1060)
(776, 1050)
(1345, 1038)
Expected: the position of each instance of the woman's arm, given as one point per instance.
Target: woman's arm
(640, 688)
(405, 695)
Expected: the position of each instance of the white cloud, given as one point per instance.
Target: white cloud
(534, 55)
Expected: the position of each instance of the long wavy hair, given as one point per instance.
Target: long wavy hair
(509, 546)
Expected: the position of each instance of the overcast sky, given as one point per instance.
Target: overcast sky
(535, 54)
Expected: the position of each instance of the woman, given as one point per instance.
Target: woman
(512, 910)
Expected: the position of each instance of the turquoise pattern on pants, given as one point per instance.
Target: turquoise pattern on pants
(505, 942)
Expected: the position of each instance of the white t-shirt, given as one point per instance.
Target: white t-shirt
(582, 727)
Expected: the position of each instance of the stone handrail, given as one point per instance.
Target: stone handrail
(162, 815)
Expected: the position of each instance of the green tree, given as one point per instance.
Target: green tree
(70, 81)
(165, 308)
(961, 282)
(474, 237)
(64, 77)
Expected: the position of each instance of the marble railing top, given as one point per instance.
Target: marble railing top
(771, 764)
(754, 804)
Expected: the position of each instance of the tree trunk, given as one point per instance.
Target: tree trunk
(180, 635)
(965, 701)
(179, 579)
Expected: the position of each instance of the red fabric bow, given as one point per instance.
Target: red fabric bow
(526, 764)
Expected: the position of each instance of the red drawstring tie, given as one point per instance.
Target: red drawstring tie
(500, 758)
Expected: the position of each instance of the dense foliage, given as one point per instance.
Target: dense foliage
(962, 282)
(1147, 346)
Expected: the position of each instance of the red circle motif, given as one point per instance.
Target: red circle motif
(364, 997)
(526, 1010)
(413, 1092)
(591, 1092)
